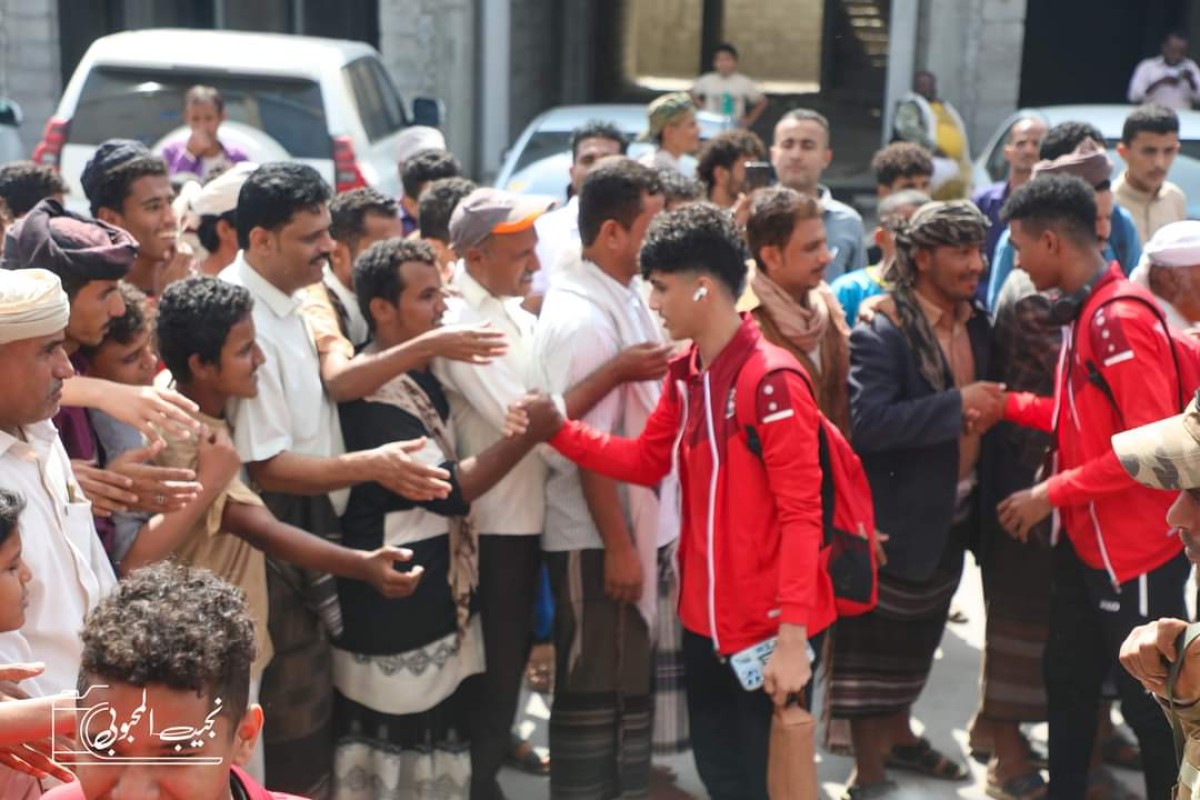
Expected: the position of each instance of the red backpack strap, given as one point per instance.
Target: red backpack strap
(768, 360)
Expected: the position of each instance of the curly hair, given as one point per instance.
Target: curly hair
(194, 318)
(23, 184)
(177, 626)
(124, 328)
(698, 237)
(377, 271)
(112, 186)
(774, 213)
(11, 506)
(274, 192)
(901, 160)
(349, 210)
(1061, 202)
(425, 167)
(597, 129)
(726, 149)
(437, 206)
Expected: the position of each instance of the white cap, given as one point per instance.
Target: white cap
(416, 138)
(1175, 245)
(221, 193)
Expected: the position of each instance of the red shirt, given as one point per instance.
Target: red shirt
(1114, 523)
(751, 526)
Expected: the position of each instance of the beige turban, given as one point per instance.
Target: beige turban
(1088, 161)
(32, 304)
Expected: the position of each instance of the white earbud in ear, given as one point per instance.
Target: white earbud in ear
(700, 294)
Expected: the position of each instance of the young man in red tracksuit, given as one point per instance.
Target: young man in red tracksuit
(751, 524)
(1118, 566)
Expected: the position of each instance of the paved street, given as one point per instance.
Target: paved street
(944, 711)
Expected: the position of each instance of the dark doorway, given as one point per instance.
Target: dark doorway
(1075, 53)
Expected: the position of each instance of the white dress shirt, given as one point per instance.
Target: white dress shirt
(1179, 96)
(479, 400)
(291, 412)
(71, 572)
(558, 235)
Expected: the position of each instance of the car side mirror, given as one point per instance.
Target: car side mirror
(428, 111)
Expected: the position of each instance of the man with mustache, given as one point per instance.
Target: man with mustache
(1149, 145)
(290, 438)
(60, 545)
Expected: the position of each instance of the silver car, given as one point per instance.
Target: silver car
(990, 166)
(540, 161)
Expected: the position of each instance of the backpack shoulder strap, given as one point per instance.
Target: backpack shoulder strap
(744, 403)
(1096, 377)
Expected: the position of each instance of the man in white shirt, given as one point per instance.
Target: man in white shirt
(1170, 270)
(1170, 79)
(290, 438)
(493, 231)
(603, 539)
(558, 230)
(70, 569)
(727, 91)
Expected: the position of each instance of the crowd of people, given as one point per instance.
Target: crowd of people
(306, 475)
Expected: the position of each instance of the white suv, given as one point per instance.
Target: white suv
(327, 102)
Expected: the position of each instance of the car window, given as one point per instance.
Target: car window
(378, 103)
(542, 145)
(996, 166)
(147, 104)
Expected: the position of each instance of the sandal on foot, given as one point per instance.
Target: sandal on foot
(1038, 758)
(1103, 785)
(1030, 786)
(522, 756)
(1117, 751)
(923, 758)
(870, 791)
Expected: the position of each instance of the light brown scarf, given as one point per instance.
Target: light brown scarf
(805, 329)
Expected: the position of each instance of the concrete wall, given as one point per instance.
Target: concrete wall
(974, 47)
(429, 46)
(29, 70)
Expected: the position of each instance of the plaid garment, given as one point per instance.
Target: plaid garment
(671, 732)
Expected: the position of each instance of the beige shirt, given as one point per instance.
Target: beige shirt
(952, 336)
(212, 548)
(1151, 211)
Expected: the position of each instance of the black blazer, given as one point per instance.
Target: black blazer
(907, 436)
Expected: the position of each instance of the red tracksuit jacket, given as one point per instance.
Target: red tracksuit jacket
(1114, 523)
(751, 527)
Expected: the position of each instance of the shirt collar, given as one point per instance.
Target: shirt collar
(348, 298)
(935, 313)
(39, 432)
(473, 291)
(281, 304)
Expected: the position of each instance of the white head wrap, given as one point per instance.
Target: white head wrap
(416, 138)
(221, 193)
(32, 304)
(1175, 245)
